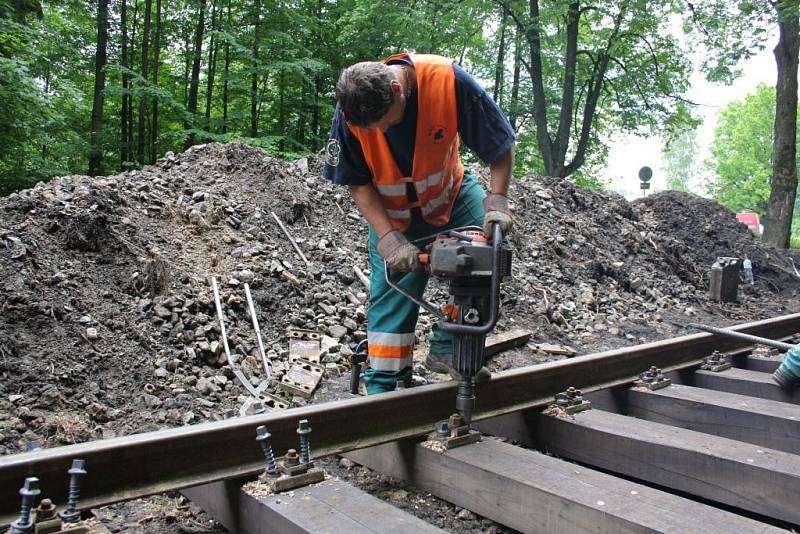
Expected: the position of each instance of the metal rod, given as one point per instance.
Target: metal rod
(361, 276)
(291, 239)
(433, 310)
(137, 465)
(747, 337)
(239, 375)
(257, 329)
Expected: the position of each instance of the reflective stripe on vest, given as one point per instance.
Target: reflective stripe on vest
(436, 170)
(392, 190)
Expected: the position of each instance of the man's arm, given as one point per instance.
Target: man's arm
(496, 203)
(392, 246)
(501, 170)
(369, 204)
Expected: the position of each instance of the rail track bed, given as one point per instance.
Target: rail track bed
(709, 445)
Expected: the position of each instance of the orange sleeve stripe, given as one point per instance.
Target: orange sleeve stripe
(390, 351)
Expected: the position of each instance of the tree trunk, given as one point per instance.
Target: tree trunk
(141, 137)
(195, 83)
(227, 73)
(501, 58)
(124, 151)
(568, 93)
(302, 117)
(254, 74)
(554, 152)
(315, 114)
(282, 110)
(783, 185)
(513, 106)
(187, 64)
(96, 150)
(156, 60)
(212, 62)
(132, 58)
(533, 37)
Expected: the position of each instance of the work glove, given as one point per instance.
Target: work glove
(400, 255)
(496, 207)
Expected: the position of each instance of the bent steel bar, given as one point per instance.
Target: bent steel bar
(143, 464)
(751, 339)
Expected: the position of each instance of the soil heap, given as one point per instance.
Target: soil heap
(108, 326)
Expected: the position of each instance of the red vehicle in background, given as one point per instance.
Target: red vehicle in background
(750, 219)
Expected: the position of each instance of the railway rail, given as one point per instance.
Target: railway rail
(729, 439)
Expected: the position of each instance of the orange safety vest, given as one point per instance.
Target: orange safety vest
(436, 170)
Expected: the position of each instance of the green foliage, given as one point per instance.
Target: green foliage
(742, 152)
(730, 31)
(293, 50)
(680, 160)
(629, 73)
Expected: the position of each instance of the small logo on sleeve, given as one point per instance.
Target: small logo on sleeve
(437, 134)
(332, 151)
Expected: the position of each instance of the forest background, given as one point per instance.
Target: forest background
(102, 86)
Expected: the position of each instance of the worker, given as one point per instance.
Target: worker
(747, 265)
(395, 144)
(787, 375)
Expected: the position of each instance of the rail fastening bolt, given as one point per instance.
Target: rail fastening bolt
(262, 436)
(562, 399)
(29, 491)
(304, 429)
(71, 514)
(443, 428)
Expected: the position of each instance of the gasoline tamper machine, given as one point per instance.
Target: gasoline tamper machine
(474, 268)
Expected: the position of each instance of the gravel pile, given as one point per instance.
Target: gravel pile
(108, 324)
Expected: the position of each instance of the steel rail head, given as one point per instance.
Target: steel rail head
(134, 466)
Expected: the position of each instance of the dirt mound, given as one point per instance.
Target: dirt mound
(698, 230)
(108, 325)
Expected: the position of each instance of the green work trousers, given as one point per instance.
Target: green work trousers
(392, 313)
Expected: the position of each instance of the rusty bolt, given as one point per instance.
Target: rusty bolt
(292, 458)
(46, 510)
(456, 421)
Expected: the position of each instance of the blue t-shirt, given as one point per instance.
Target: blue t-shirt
(482, 126)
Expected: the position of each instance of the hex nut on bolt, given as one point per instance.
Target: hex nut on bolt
(291, 457)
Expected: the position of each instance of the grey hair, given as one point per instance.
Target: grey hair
(364, 92)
